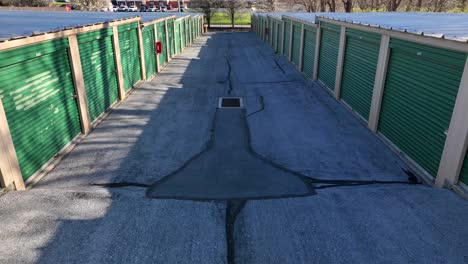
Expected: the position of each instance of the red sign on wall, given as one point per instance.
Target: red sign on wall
(158, 47)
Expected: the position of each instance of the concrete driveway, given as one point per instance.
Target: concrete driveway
(170, 178)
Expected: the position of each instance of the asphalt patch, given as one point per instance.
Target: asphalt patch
(228, 169)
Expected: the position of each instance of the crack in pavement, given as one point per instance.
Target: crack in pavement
(262, 107)
(279, 66)
(233, 208)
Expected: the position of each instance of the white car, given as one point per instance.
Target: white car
(115, 8)
(152, 8)
(132, 8)
(122, 8)
(163, 9)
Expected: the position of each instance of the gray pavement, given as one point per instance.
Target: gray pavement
(76, 215)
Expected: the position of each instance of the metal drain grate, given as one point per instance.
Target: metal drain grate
(230, 102)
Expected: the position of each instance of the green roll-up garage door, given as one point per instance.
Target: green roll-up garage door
(170, 29)
(308, 58)
(270, 32)
(296, 44)
(187, 31)
(360, 65)
(99, 71)
(287, 35)
(280, 37)
(128, 40)
(38, 97)
(464, 171)
(421, 86)
(329, 45)
(274, 30)
(161, 30)
(177, 37)
(150, 51)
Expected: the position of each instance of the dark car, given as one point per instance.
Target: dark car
(143, 8)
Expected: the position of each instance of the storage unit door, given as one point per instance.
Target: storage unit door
(150, 51)
(182, 35)
(287, 35)
(38, 97)
(329, 44)
(270, 32)
(309, 51)
(128, 39)
(421, 86)
(296, 44)
(177, 38)
(99, 71)
(161, 30)
(360, 65)
(170, 30)
(464, 171)
(275, 34)
(280, 37)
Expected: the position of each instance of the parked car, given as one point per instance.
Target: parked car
(169, 7)
(132, 8)
(122, 8)
(152, 8)
(163, 9)
(115, 8)
(143, 9)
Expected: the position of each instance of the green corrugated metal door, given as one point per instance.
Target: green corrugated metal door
(421, 86)
(161, 30)
(280, 36)
(296, 44)
(274, 30)
(270, 32)
(287, 35)
(464, 171)
(170, 29)
(150, 51)
(128, 40)
(183, 34)
(37, 91)
(360, 64)
(177, 37)
(187, 30)
(309, 51)
(329, 44)
(99, 72)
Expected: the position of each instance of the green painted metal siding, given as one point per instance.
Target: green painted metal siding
(296, 44)
(287, 35)
(182, 35)
(464, 171)
(170, 29)
(308, 58)
(421, 86)
(37, 90)
(177, 38)
(329, 45)
(360, 65)
(150, 51)
(161, 30)
(129, 53)
(99, 71)
(274, 30)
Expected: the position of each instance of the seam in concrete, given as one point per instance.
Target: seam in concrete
(262, 107)
(279, 66)
(233, 208)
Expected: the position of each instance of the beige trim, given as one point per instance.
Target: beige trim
(15, 43)
(174, 38)
(141, 50)
(80, 88)
(317, 53)
(168, 50)
(457, 138)
(379, 83)
(155, 52)
(118, 63)
(297, 20)
(154, 22)
(10, 173)
(301, 49)
(340, 62)
(425, 40)
(291, 33)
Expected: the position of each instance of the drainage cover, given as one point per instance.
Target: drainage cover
(230, 102)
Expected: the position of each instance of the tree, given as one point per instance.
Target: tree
(30, 2)
(207, 7)
(89, 5)
(232, 8)
(309, 5)
(392, 5)
(331, 5)
(348, 5)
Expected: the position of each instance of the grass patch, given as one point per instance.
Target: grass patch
(220, 18)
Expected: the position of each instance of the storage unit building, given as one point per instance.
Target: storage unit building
(403, 73)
